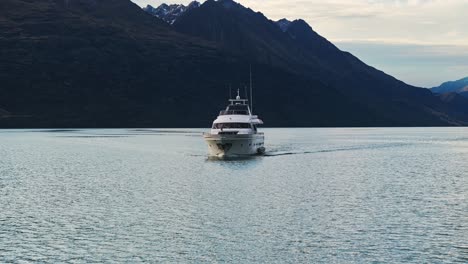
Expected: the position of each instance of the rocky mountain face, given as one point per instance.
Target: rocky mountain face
(170, 13)
(108, 63)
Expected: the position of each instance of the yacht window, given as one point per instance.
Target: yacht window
(231, 125)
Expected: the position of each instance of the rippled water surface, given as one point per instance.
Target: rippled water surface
(319, 195)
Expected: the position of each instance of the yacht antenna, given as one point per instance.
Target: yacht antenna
(230, 91)
(251, 97)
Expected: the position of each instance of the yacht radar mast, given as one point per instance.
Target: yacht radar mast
(251, 96)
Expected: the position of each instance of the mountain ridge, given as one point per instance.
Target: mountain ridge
(170, 13)
(459, 86)
(108, 63)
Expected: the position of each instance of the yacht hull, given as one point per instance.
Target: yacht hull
(235, 145)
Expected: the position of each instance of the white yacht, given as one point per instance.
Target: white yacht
(234, 132)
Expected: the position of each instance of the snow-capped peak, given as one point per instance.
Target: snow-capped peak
(170, 13)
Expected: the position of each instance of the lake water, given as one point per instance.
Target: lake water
(396, 195)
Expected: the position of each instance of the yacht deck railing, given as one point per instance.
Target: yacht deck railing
(234, 112)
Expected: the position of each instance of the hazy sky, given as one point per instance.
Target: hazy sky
(422, 42)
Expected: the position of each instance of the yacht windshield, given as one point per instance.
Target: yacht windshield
(236, 110)
(231, 125)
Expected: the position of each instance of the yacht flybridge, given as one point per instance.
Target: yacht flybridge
(234, 132)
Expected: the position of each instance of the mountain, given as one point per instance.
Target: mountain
(460, 86)
(108, 63)
(297, 48)
(170, 13)
(86, 63)
(239, 30)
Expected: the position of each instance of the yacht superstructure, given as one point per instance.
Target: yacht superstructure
(234, 132)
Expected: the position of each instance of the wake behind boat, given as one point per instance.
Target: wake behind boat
(234, 132)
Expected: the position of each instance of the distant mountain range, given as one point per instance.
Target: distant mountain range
(108, 63)
(170, 13)
(460, 87)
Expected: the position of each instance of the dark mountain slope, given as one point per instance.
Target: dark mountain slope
(107, 63)
(90, 63)
(299, 49)
(382, 92)
(457, 102)
(241, 31)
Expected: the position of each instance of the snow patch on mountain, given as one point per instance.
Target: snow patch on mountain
(170, 13)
